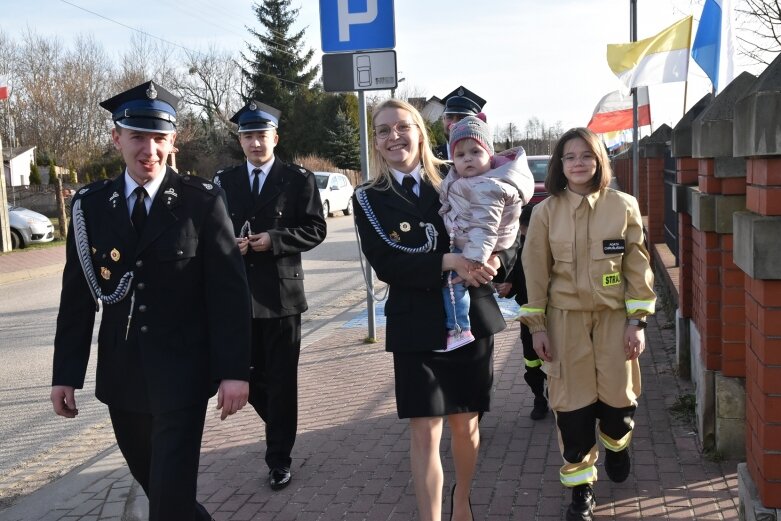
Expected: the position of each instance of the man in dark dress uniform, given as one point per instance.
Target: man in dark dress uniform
(277, 214)
(459, 104)
(157, 250)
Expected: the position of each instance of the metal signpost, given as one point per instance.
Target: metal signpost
(352, 34)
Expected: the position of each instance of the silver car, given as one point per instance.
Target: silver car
(336, 192)
(28, 227)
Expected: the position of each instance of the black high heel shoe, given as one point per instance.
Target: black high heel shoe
(469, 499)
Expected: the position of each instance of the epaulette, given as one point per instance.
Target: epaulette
(91, 188)
(297, 168)
(199, 182)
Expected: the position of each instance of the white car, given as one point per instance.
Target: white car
(28, 227)
(336, 192)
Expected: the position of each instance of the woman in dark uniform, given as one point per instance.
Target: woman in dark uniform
(404, 240)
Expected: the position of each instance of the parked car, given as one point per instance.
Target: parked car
(336, 192)
(28, 227)
(539, 167)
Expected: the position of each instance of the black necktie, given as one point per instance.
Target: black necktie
(408, 183)
(139, 210)
(256, 182)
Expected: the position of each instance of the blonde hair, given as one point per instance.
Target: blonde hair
(556, 182)
(378, 166)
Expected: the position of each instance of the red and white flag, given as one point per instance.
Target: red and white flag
(614, 112)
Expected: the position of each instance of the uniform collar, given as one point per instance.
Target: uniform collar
(576, 199)
(266, 167)
(151, 187)
(398, 175)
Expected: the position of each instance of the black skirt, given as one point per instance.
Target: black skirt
(439, 384)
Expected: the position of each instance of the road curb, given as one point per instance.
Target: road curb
(31, 273)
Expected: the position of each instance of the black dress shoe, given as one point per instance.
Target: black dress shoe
(279, 478)
(540, 409)
(583, 503)
(617, 465)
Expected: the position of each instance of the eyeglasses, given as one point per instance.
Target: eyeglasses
(383, 132)
(587, 158)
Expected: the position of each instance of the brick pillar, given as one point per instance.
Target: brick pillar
(757, 252)
(652, 155)
(686, 176)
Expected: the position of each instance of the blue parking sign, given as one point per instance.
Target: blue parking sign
(357, 25)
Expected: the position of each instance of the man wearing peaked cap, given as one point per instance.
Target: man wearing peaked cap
(156, 249)
(277, 214)
(459, 104)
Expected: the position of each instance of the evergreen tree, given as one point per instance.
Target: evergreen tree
(278, 69)
(343, 143)
(35, 175)
(52, 172)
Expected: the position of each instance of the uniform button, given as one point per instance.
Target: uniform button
(251, 265)
(140, 285)
(179, 252)
(139, 263)
(142, 308)
(279, 213)
(295, 275)
(144, 329)
(252, 218)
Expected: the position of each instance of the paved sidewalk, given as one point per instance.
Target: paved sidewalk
(28, 264)
(351, 457)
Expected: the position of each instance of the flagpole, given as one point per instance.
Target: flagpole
(635, 151)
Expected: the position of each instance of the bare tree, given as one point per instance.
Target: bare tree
(760, 35)
(211, 86)
(8, 58)
(146, 59)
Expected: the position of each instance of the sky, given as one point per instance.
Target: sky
(528, 58)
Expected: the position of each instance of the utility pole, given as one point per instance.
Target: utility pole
(635, 140)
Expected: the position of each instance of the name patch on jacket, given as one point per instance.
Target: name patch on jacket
(611, 279)
(613, 246)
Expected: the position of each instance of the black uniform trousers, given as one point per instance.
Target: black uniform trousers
(162, 451)
(273, 392)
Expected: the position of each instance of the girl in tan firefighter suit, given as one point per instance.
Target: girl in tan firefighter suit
(590, 287)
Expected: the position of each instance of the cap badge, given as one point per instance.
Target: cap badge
(105, 273)
(253, 106)
(151, 92)
(115, 255)
(405, 227)
(395, 236)
(460, 91)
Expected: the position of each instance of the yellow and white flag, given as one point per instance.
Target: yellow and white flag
(663, 58)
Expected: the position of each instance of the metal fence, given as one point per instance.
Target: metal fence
(670, 216)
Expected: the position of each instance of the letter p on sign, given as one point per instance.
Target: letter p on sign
(357, 25)
(346, 18)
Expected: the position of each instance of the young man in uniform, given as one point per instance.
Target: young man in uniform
(277, 214)
(157, 250)
(459, 104)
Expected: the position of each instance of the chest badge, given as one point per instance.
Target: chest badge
(611, 279)
(405, 227)
(115, 256)
(613, 246)
(105, 273)
(395, 236)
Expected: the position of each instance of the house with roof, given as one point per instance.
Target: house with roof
(16, 165)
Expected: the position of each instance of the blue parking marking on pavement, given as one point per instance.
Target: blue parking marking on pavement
(510, 310)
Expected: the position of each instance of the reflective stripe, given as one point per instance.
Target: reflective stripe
(580, 477)
(616, 445)
(526, 311)
(532, 363)
(640, 305)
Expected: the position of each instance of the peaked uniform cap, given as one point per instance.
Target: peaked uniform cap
(256, 116)
(147, 107)
(463, 101)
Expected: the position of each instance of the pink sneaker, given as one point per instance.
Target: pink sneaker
(456, 340)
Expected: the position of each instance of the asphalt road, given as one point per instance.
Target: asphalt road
(29, 430)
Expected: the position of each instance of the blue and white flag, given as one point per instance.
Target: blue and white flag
(714, 44)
